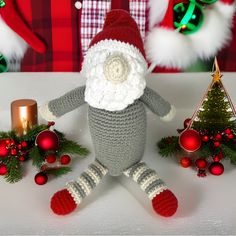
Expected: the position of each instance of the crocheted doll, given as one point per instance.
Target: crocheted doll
(116, 93)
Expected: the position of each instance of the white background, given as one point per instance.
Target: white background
(117, 206)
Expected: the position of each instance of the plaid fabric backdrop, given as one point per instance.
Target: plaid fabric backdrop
(68, 31)
(93, 14)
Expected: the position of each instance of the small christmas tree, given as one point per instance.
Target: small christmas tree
(210, 134)
(216, 112)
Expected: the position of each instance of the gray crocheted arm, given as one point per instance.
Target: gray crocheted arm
(62, 105)
(157, 104)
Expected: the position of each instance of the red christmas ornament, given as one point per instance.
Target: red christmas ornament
(41, 178)
(185, 162)
(230, 136)
(217, 144)
(65, 159)
(3, 169)
(50, 158)
(227, 131)
(190, 140)
(205, 138)
(47, 140)
(216, 168)
(3, 148)
(201, 163)
(187, 122)
(218, 137)
(24, 144)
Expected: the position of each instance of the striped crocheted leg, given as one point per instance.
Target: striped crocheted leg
(65, 201)
(163, 200)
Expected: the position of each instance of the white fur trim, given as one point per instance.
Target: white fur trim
(214, 33)
(46, 113)
(170, 115)
(12, 46)
(157, 11)
(102, 93)
(169, 48)
(226, 10)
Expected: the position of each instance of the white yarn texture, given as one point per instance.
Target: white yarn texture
(103, 93)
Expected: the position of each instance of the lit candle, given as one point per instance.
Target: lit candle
(23, 115)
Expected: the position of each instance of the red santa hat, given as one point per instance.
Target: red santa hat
(166, 47)
(120, 27)
(14, 30)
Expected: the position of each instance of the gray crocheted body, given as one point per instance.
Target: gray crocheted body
(118, 137)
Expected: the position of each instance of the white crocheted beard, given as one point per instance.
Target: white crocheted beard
(115, 75)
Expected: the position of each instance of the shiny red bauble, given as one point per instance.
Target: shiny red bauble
(41, 178)
(65, 159)
(218, 137)
(3, 148)
(190, 140)
(216, 168)
(185, 162)
(227, 131)
(47, 140)
(187, 122)
(230, 136)
(51, 158)
(24, 144)
(216, 144)
(205, 138)
(3, 169)
(201, 163)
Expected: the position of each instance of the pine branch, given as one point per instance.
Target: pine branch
(15, 170)
(229, 153)
(36, 157)
(10, 134)
(169, 146)
(71, 147)
(58, 171)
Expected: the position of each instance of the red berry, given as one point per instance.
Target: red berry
(205, 138)
(21, 158)
(19, 146)
(216, 144)
(24, 144)
(41, 178)
(13, 152)
(12, 142)
(201, 163)
(65, 159)
(230, 136)
(216, 158)
(227, 131)
(185, 162)
(51, 158)
(8, 141)
(218, 137)
(3, 169)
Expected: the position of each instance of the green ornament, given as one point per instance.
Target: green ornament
(207, 1)
(3, 64)
(2, 3)
(188, 17)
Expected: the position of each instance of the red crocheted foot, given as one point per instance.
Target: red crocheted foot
(62, 203)
(165, 203)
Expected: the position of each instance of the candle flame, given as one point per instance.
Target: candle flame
(23, 118)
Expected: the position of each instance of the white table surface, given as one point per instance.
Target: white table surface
(117, 206)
